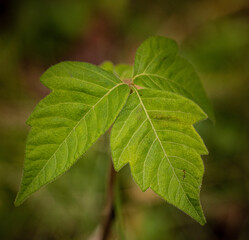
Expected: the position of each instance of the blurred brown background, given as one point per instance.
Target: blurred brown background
(212, 34)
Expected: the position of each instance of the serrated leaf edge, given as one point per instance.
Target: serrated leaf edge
(19, 199)
(202, 218)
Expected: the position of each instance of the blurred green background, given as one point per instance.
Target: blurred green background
(212, 34)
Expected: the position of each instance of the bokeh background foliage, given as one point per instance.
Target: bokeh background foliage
(213, 35)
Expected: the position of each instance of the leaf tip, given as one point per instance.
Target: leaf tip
(21, 196)
(202, 221)
(200, 218)
(18, 201)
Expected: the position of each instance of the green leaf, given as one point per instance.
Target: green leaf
(108, 66)
(154, 134)
(84, 102)
(154, 131)
(158, 66)
(122, 71)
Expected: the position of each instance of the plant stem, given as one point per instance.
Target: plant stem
(118, 211)
(109, 213)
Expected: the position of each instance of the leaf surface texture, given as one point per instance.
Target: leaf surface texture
(154, 133)
(122, 71)
(153, 130)
(159, 66)
(84, 102)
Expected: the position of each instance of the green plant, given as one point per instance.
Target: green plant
(152, 107)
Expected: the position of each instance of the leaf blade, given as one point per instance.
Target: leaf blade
(158, 66)
(155, 160)
(122, 71)
(68, 121)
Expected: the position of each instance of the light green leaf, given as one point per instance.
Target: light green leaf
(108, 66)
(84, 102)
(158, 66)
(122, 71)
(154, 134)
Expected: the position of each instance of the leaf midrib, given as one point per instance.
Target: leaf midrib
(183, 88)
(73, 129)
(154, 130)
